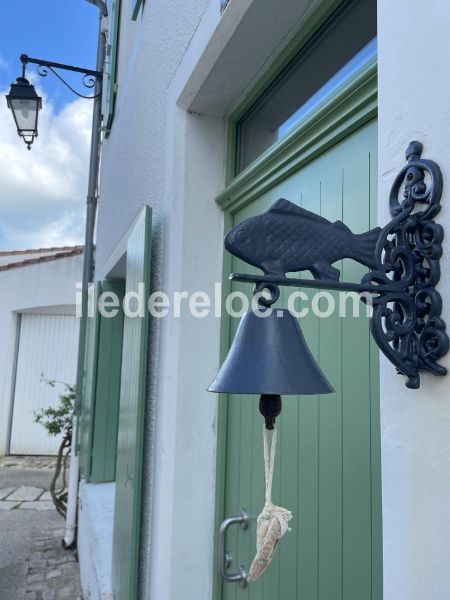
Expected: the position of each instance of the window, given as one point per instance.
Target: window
(342, 47)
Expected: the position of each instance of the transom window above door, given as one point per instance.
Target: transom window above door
(341, 48)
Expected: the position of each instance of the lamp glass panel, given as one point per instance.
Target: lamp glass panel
(25, 112)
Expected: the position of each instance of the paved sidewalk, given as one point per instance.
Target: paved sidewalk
(25, 497)
(33, 563)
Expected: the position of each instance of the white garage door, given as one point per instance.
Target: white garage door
(48, 346)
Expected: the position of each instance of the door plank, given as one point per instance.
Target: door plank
(356, 473)
(330, 419)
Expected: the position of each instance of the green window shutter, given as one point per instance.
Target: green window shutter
(101, 390)
(112, 64)
(136, 8)
(104, 441)
(89, 385)
(131, 417)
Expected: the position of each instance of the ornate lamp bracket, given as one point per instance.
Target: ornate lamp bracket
(91, 80)
(406, 318)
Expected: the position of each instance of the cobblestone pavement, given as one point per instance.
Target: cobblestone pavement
(33, 563)
(52, 572)
(28, 462)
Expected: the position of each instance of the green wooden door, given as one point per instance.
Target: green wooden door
(131, 416)
(328, 456)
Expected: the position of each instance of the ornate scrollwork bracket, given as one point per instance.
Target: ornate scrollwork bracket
(406, 321)
(406, 318)
(91, 80)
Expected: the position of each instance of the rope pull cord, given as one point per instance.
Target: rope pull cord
(270, 509)
(273, 522)
(269, 463)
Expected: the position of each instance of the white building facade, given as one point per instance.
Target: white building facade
(187, 76)
(39, 329)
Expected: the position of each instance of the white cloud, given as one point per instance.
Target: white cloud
(43, 191)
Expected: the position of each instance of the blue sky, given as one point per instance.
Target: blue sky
(59, 30)
(42, 191)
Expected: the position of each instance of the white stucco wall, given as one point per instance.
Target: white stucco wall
(49, 288)
(135, 156)
(95, 539)
(138, 163)
(414, 76)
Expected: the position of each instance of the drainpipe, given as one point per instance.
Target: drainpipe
(101, 7)
(88, 277)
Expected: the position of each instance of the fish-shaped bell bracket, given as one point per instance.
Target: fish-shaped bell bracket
(270, 356)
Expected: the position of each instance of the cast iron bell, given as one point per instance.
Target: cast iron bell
(269, 356)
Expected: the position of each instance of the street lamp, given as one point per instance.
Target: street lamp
(24, 102)
(25, 105)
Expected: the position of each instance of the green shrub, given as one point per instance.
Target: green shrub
(58, 420)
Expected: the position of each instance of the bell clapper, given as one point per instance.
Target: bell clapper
(270, 407)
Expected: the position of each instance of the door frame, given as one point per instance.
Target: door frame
(349, 108)
(12, 391)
